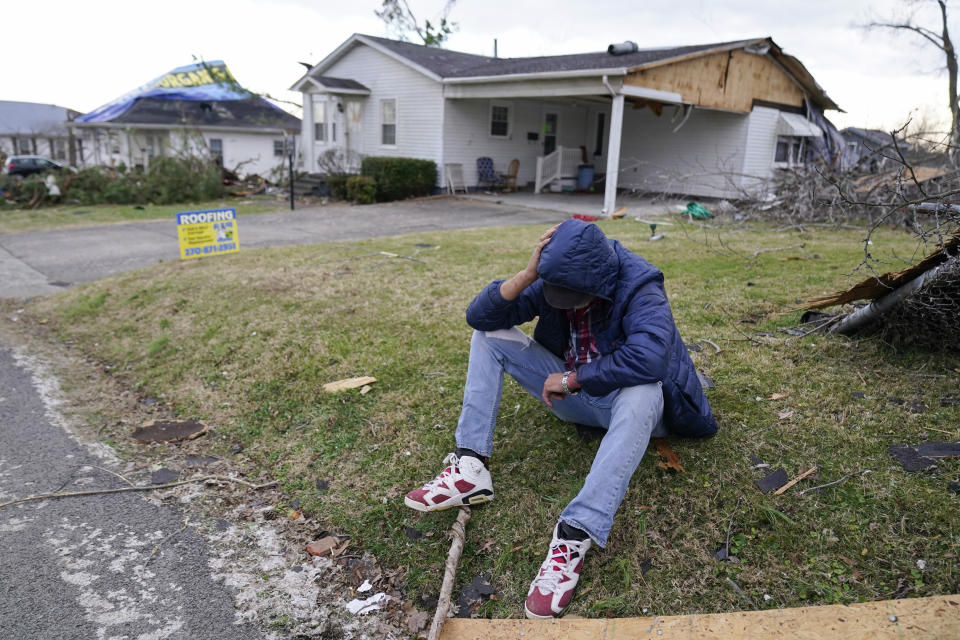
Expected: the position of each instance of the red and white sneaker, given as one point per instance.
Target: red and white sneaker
(465, 481)
(552, 590)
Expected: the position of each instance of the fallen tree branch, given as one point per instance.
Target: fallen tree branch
(793, 246)
(838, 481)
(711, 343)
(450, 572)
(47, 496)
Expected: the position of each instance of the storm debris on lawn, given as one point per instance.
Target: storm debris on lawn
(322, 485)
(323, 546)
(348, 383)
(705, 380)
(412, 533)
(362, 607)
(645, 566)
(809, 472)
(199, 461)
(669, 457)
(772, 481)
(169, 430)
(473, 595)
(923, 456)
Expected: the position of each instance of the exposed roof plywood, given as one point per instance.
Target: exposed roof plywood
(729, 80)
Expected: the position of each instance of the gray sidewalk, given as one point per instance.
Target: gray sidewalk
(43, 262)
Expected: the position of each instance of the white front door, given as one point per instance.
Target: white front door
(353, 130)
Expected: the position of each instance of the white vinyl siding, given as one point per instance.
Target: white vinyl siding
(418, 130)
(704, 157)
(758, 158)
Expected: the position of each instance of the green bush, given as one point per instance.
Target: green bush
(361, 189)
(338, 186)
(400, 178)
(171, 180)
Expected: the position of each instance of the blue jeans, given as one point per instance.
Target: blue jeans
(631, 415)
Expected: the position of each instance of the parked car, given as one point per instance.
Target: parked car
(28, 165)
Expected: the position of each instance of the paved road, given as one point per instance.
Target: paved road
(44, 262)
(80, 568)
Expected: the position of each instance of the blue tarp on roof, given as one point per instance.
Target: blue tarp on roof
(203, 81)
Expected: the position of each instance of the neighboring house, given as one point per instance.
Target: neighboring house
(869, 150)
(29, 128)
(709, 120)
(198, 109)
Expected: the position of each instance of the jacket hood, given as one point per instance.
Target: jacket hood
(580, 257)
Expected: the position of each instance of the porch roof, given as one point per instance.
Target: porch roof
(339, 85)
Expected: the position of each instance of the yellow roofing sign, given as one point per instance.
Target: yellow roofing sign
(207, 233)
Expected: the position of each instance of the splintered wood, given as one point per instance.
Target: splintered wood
(348, 383)
(915, 618)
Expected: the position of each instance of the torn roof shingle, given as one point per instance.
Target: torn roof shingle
(253, 113)
(454, 64)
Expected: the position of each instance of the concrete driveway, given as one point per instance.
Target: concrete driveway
(42, 262)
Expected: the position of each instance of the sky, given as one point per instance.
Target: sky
(83, 54)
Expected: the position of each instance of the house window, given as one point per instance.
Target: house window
(114, 141)
(216, 150)
(319, 121)
(388, 122)
(24, 145)
(278, 150)
(499, 120)
(789, 151)
(598, 145)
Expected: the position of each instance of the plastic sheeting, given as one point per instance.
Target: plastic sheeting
(202, 81)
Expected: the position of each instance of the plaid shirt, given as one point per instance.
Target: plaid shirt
(583, 344)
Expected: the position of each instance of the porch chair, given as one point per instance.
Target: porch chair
(455, 181)
(486, 175)
(510, 177)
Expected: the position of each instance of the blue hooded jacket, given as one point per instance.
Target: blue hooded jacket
(636, 335)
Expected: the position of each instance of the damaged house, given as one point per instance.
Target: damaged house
(29, 128)
(198, 109)
(706, 120)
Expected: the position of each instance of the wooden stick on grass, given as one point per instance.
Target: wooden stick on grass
(57, 494)
(800, 477)
(450, 572)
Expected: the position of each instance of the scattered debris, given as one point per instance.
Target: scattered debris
(213, 480)
(645, 566)
(198, 461)
(783, 415)
(323, 546)
(923, 456)
(837, 481)
(805, 474)
(669, 457)
(322, 485)
(366, 586)
(713, 344)
(771, 481)
(693, 346)
(361, 607)
(365, 389)
(705, 380)
(778, 396)
(459, 535)
(949, 401)
(348, 383)
(169, 430)
(163, 476)
(473, 594)
(412, 534)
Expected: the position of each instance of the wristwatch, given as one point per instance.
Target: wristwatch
(566, 388)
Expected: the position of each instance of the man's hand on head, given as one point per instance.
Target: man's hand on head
(513, 287)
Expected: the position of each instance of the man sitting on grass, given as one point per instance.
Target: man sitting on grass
(605, 353)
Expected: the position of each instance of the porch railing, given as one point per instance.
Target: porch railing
(563, 162)
(548, 169)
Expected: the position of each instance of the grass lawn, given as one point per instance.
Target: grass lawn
(245, 341)
(63, 216)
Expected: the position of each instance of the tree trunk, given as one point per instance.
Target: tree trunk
(951, 54)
